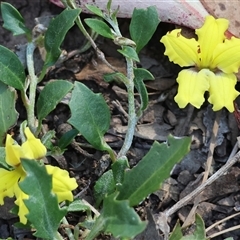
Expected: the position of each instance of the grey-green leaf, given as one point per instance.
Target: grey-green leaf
(90, 115)
(141, 74)
(143, 25)
(99, 27)
(50, 96)
(199, 233)
(56, 32)
(11, 69)
(13, 20)
(129, 52)
(42, 202)
(78, 205)
(8, 113)
(94, 10)
(104, 186)
(152, 170)
(120, 219)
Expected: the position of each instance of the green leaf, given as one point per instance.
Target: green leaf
(94, 10)
(47, 139)
(176, 233)
(143, 25)
(11, 69)
(56, 32)
(118, 168)
(141, 74)
(77, 206)
(90, 115)
(199, 232)
(120, 219)
(44, 212)
(152, 170)
(8, 113)
(109, 4)
(67, 138)
(129, 52)
(99, 27)
(50, 96)
(13, 21)
(3, 163)
(104, 186)
(116, 76)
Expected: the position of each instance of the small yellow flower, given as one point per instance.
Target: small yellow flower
(32, 148)
(214, 60)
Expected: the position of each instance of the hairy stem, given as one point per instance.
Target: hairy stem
(132, 119)
(32, 88)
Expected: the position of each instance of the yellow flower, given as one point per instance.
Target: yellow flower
(214, 60)
(32, 148)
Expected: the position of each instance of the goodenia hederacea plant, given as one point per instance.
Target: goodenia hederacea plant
(118, 189)
(213, 60)
(32, 182)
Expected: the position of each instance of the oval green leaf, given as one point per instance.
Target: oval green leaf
(99, 27)
(141, 74)
(13, 20)
(94, 10)
(56, 32)
(11, 69)
(129, 52)
(143, 25)
(50, 96)
(90, 115)
(8, 113)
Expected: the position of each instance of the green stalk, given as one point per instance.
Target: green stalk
(132, 119)
(32, 87)
(68, 230)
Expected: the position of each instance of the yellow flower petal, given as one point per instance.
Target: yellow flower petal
(209, 36)
(222, 91)
(180, 50)
(32, 148)
(13, 152)
(192, 85)
(23, 211)
(62, 183)
(8, 180)
(227, 56)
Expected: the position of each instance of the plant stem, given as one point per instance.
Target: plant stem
(33, 86)
(68, 230)
(199, 189)
(58, 236)
(132, 119)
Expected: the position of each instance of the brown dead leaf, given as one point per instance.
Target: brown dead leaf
(96, 69)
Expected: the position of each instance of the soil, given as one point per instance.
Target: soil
(163, 117)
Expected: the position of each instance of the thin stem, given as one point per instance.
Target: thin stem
(57, 236)
(198, 190)
(224, 231)
(207, 168)
(221, 221)
(132, 119)
(68, 230)
(32, 88)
